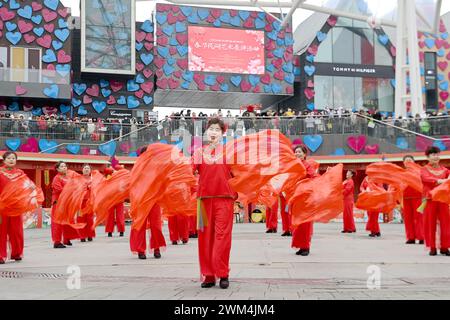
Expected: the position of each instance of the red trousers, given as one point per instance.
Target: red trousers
(11, 230)
(179, 228)
(116, 217)
(87, 231)
(413, 220)
(214, 242)
(301, 238)
(138, 242)
(349, 220)
(272, 217)
(372, 223)
(286, 221)
(192, 225)
(434, 212)
(62, 233)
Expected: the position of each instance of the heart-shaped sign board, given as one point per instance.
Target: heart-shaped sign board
(47, 146)
(108, 149)
(313, 142)
(13, 144)
(357, 143)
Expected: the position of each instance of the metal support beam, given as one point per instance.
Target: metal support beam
(290, 13)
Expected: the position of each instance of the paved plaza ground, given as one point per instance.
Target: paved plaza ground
(263, 266)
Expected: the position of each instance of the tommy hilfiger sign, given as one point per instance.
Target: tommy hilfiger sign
(353, 70)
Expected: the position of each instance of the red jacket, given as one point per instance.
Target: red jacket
(349, 188)
(430, 176)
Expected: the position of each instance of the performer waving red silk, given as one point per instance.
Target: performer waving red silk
(349, 188)
(86, 214)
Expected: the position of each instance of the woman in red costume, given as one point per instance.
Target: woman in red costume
(178, 229)
(433, 174)
(216, 200)
(285, 216)
(349, 188)
(301, 238)
(60, 232)
(272, 218)
(88, 217)
(11, 228)
(116, 213)
(412, 218)
(372, 222)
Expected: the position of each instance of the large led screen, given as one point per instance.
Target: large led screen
(226, 50)
(108, 36)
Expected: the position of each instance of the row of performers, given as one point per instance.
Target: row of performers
(163, 181)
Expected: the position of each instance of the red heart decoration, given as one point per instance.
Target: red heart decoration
(245, 86)
(254, 14)
(265, 79)
(45, 41)
(20, 90)
(50, 110)
(162, 40)
(139, 66)
(159, 62)
(147, 73)
(181, 17)
(309, 93)
(93, 91)
(421, 56)
(173, 84)
(140, 36)
(29, 38)
(36, 6)
(210, 19)
(63, 57)
(443, 95)
(162, 83)
(181, 38)
(24, 27)
(32, 145)
(279, 75)
(87, 99)
(159, 73)
(198, 78)
(175, 9)
(257, 89)
(442, 27)
(439, 43)
(50, 27)
(290, 49)
(372, 149)
(287, 56)
(147, 87)
(448, 55)
(182, 63)
(49, 15)
(6, 15)
(289, 90)
(277, 63)
(63, 12)
(357, 143)
(171, 19)
(268, 27)
(116, 85)
(216, 13)
(269, 18)
(164, 7)
(233, 13)
(149, 37)
(172, 51)
(442, 65)
(271, 45)
(148, 46)
(313, 50)
(220, 79)
(139, 94)
(51, 67)
(215, 87)
(332, 20)
(201, 86)
(177, 74)
(421, 44)
(111, 100)
(269, 55)
(85, 151)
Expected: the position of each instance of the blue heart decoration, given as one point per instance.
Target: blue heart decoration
(280, 42)
(52, 91)
(193, 17)
(210, 80)
(73, 148)
(185, 85)
(133, 154)
(132, 86)
(48, 146)
(310, 70)
(235, 21)
(321, 36)
(289, 78)
(121, 100)
(310, 106)
(63, 69)
(79, 88)
(104, 83)
(267, 89)
(140, 78)
(171, 61)
(393, 83)
(106, 92)
(310, 58)
(161, 18)
(147, 58)
(225, 17)
(99, 106)
(270, 67)
(75, 102)
(13, 4)
(383, 39)
(168, 69)
(288, 40)
(148, 99)
(244, 14)
(163, 141)
(276, 25)
(217, 23)
(430, 43)
(224, 87)
(62, 34)
(13, 144)
(443, 85)
(173, 42)
(168, 30)
(261, 15)
(25, 12)
(49, 56)
(13, 106)
(36, 112)
(108, 148)
(260, 24)
(188, 76)
(339, 152)
(440, 53)
(37, 19)
(276, 88)
(422, 71)
(272, 35)
(447, 104)
(186, 10)
(236, 80)
(163, 51)
(64, 108)
(402, 143)
(14, 37)
(313, 142)
(82, 111)
(10, 26)
(51, 4)
(440, 145)
(180, 27)
(203, 13)
(288, 67)
(182, 50)
(147, 26)
(254, 80)
(39, 31)
(57, 44)
(440, 77)
(132, 102)
(139, 46)
(62, 23)
(297, 71)
(278, 52)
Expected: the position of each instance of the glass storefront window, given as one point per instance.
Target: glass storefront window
(323, 86)
(382, 55)
(344, 92)
(386, 95)
(364, 48)
(342, 42)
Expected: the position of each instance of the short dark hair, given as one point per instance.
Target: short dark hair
(431, 150)
(408, 156)
(216, 121)
(86, 164)
(58, 164)
(142, 150)
(303, 148)
(8, 153)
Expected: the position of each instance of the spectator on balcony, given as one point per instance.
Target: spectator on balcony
(126, 124)
(42, 125)
(101, 129)
(133, 130)
(424, 126)
(309, 124)
(91, 130)
(51, 126)
(23, 126)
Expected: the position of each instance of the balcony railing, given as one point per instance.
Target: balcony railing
(59, 76)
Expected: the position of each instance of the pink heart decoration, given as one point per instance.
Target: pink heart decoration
(116, 85)
(36, 6)
(201, 86)
(147, 73)
(29, 38)
(62, 151)
(210, 19)
(443, 95)
(159, 73)
(171, 19)
(277, 63)
(421, 56)
(139, 66)
(177, 74)
(279, 75)
(421, 44)
(310, 84)
(32, 145)
(162, 41)
(181, 17)
(173, 84)
(93, 91)
(173, 50)
(162, 83)
(6, 15)
(139, 94)
(297, 142)
(63, 57)
(125, 147)
(268, 27)
(149, 37)
(49, 15)
(439, 43)
(159, 32)
(357, 143)
(111, 100)
(85, 151)
(269, 18)
(140, 36)
(309, 93)
(372, 149)
(175, 9)
(332, 20)
(423, 143)
(148, 46)
(271, 45)
(290, 49)
(289, 90)
(269, 55)
(442, 65)
(216, 13)
(245, 86)
(442, 27)
(287, 56)
(45, 41)
(182, 63)
(215, 87)
(20, 90)
(198, 78)
(51, 67)
(393, 51)
(87, 99)
(313, 50)
(220, 79)
(233, 12)
(159, 62)
(63, 12)
(448, 56)
(24, 27)
(50, 110)
(265, 79)
(257, 89)
(27, 107)
(50, 27)
(181, 38)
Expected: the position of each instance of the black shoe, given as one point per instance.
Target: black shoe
(16, 258)
(184, 241)
(208, 284)
(378, 234)
(433, 252)
(372, 235)
(157, 254)
(269, 231)
(445, 252)
(411, 242)
(174, 243)
(58, 246)
(421, 242)
(83, 240)
(224, 283)
(142, 256)
(121, 234)
(195, 236)
(68, 243)
(345, 231)
(90, 239)
(109, 234)
(286, 234)
(302, 252)
(2, 261)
